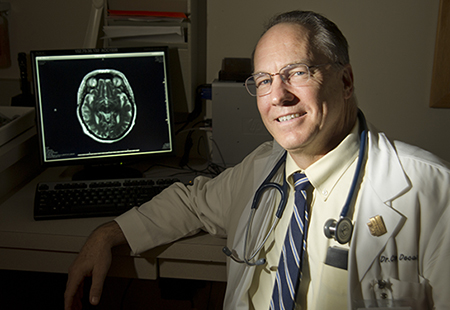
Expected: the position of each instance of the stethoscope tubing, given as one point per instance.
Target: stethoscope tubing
(362, 151)
(282, 189)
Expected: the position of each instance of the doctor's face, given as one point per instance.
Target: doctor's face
(308, 120)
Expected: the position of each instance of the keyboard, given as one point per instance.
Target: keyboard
(78, 199)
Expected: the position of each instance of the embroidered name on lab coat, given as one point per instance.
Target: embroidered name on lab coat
(395, 258)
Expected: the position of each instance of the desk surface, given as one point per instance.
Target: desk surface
(51, 246)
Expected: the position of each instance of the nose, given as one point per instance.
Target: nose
(280, 94)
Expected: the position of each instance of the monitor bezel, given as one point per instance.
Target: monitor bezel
(122, 159)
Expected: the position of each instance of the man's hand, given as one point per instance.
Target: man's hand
(93, 261)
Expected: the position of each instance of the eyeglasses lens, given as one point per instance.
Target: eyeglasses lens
(260, 84)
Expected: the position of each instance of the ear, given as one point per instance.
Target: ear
(347, 80)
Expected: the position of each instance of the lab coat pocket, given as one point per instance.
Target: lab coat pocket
(333, 285)
(393, 294)
(414, 294)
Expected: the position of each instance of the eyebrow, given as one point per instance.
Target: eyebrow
(303, 62)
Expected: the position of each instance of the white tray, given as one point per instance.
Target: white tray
(24, 118)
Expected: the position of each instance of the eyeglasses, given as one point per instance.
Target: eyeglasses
(296, 75)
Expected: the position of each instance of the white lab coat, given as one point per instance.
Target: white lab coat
(405, 185)
(406, 267)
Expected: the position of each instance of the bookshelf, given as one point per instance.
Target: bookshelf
(187, 46)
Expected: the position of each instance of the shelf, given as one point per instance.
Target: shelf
(188, 51)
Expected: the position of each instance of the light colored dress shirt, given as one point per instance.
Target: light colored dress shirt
(325, 287)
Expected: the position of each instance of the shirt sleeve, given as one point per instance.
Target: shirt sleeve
(213, 205)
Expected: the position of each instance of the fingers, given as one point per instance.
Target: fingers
(85, 265)
(93, 261)
(73, 293)
(95, 293)
(98, 279)
(74, 288)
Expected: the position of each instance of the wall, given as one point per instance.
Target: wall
(49, 24)
(35, 25)
(391, 50)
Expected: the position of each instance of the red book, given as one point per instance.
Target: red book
(147, 13)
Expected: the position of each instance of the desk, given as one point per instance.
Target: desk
(51, 246)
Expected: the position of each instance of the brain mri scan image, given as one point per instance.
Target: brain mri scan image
(106, 107)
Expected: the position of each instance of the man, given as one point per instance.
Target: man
(304, 87)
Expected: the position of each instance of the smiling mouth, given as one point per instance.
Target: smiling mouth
(289, 117)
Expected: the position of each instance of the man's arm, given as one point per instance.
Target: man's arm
(94, 260)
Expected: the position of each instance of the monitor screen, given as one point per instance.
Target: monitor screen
(102, 105)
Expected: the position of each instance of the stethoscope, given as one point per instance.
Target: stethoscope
(341, 230)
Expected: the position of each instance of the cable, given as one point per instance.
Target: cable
(189, 143)
(198, 107)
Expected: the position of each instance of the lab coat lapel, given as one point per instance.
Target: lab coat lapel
(262, 168)
(241, 275)
(384, 180)
(263, 217)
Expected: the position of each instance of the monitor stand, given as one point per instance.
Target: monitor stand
(106, 172)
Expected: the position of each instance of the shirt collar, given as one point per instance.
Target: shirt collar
(326, 172)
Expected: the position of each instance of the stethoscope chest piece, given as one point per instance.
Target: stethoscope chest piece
(340, 230)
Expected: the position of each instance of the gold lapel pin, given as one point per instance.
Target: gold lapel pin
(376, 226)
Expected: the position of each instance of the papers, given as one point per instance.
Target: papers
(146, 26)
(133, 31)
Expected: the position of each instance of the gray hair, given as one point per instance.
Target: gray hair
(326, 36)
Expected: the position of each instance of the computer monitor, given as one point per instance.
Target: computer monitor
(102, 106)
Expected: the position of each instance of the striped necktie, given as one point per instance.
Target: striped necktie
(289, 268)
